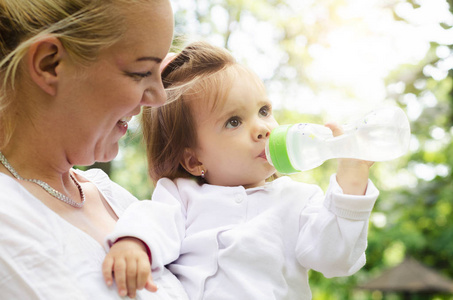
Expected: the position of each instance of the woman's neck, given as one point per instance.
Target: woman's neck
(34, 160)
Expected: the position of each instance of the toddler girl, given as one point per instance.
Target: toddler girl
(213, 220)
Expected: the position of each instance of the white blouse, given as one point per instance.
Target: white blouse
(42, 256)
(258, 243)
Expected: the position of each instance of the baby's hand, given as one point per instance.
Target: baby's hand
(352, 174)
(129, 262)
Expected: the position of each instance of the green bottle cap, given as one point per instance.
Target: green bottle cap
(278, 150)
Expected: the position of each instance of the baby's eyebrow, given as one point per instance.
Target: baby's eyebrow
(228, 114)
(265, 102)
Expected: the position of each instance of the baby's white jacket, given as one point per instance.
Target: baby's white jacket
(247, 244)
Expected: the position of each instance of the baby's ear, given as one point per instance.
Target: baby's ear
(191, 163)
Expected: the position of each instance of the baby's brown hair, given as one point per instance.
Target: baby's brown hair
(194, 74)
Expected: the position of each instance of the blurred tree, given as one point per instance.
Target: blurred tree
(131, 167)
(419, 216)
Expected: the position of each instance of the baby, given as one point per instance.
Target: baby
(214, 219)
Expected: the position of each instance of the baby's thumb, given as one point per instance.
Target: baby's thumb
(150, 285)
(336, 129)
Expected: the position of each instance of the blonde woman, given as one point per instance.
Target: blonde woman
(73, 73)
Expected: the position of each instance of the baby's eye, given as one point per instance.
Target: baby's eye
(233, 122)
(265, 111)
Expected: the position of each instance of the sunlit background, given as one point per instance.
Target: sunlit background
(335, 60)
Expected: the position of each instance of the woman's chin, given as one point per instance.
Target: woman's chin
(108, 155)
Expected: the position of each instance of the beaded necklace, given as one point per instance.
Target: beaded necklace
(53, 192)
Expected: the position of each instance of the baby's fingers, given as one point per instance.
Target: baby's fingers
(107, 270)
(120, 276)
(143, 272)
(150, 285)
(131, 278)
(336, 129)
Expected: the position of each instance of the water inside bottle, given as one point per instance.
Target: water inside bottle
(381, 142)
(380, 136)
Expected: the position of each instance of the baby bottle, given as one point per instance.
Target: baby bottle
(381, 135)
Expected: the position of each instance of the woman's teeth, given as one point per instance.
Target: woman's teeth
(123, 121)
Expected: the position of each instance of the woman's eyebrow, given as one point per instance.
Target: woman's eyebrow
(150, 58)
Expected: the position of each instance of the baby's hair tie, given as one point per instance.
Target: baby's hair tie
(170, 56)
(172, 62)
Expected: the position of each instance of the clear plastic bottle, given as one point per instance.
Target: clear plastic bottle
(381, 135)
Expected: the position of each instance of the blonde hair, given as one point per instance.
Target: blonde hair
(200, 72)
(84, 27)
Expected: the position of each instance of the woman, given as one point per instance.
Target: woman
(73, 73)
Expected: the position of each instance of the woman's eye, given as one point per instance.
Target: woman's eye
(264, 111)
(233, 122)
(139, 76)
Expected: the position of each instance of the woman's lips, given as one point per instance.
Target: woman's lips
(122, 123)
(125, 119)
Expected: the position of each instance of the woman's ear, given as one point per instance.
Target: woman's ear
(43, 63)
(191, 163)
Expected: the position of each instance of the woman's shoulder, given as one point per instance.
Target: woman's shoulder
(8, 184)
(14, 196)
(22, 215)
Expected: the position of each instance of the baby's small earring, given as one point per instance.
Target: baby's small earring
(202, 174)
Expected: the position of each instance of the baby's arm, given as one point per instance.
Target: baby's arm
(333, 230)
(352, 174)
(129, 262)
(147, 227)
